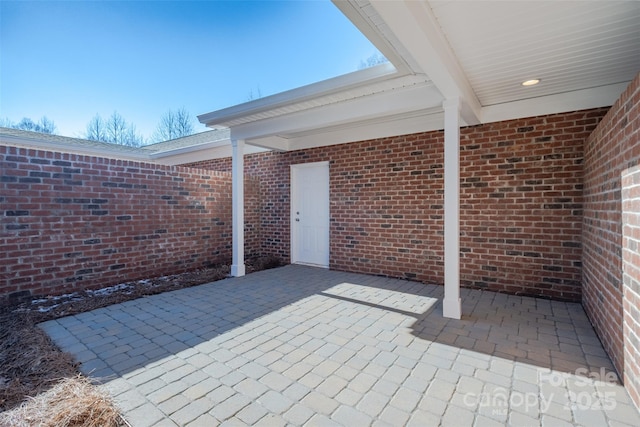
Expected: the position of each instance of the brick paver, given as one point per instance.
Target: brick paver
(306, 346)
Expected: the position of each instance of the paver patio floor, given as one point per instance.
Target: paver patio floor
(307, 346)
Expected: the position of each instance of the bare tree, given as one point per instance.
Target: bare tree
(253, 96)
(173, 124)
(96, 129)
(44, 125)
(115, 130)
(375, 59)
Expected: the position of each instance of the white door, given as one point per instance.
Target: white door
(310, 214)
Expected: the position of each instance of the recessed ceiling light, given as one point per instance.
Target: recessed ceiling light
(531, 82)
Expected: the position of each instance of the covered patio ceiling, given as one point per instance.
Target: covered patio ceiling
(584, 52)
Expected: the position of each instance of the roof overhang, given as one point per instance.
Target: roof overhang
(176, 152)
(60, 144)
(304, 96)
(430, 62)
(196, 153)
(375, 102)
(380, 106)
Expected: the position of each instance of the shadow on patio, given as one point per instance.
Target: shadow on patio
(299, 345)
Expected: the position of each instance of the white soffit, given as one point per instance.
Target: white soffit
(569, 45)
(407, 123)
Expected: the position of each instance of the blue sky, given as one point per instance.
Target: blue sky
(69, 60)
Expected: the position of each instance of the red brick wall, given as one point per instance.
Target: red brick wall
(70, 222)
(610, 150)
(631, 278)
(521, 204)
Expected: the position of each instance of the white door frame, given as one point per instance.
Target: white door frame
(293, 203)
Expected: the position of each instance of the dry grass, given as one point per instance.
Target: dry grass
(72, 402)
(29, 362)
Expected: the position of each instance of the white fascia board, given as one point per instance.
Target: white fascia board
(16, 141)
(301, 94)
(190, 149)
(379, 105)
(414, 25)
(220, 152)
(603, 96)
(275, 143)
(352, 11)
(404, 125)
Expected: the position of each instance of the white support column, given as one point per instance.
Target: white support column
(452, 305)
(237, 210)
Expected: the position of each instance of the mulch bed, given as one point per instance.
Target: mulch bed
(31, 364)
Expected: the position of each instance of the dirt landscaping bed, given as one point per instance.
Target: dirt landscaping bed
(39, 384)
